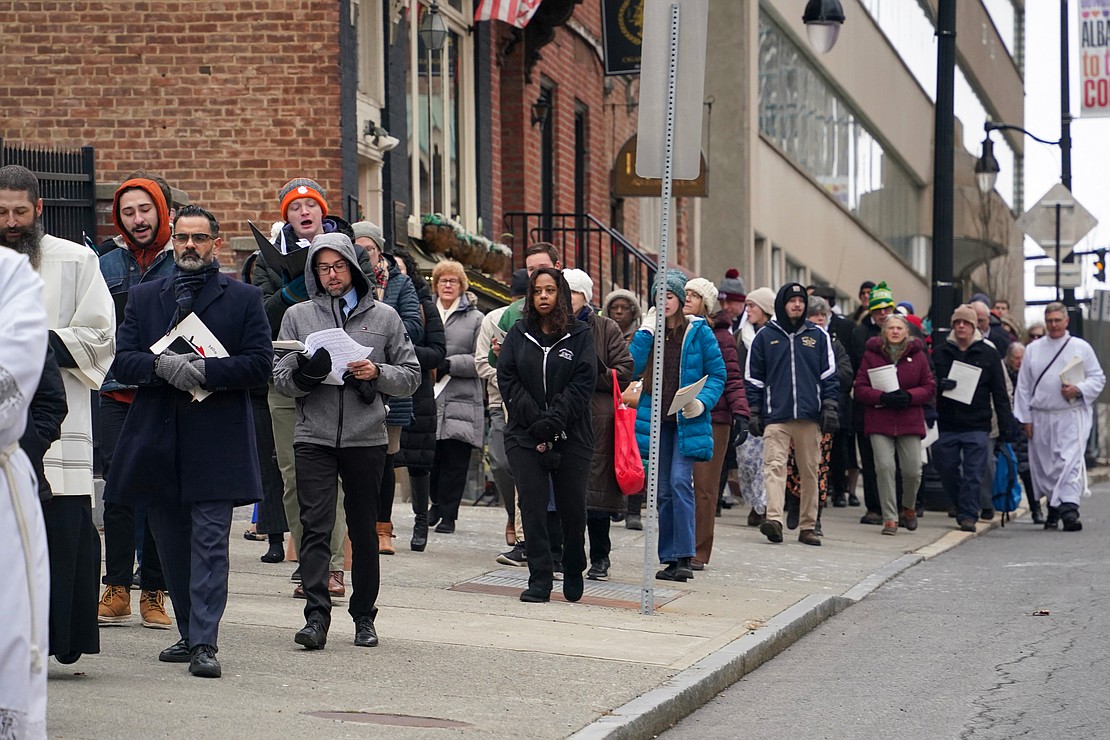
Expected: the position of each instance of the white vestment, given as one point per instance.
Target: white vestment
(1060, 427)
(80, 311)
(25, 573)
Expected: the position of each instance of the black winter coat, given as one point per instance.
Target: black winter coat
(976, 416)
(45, 415)
(418, 440)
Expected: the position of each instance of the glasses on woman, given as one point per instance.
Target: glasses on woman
(449, 281)
(339, 268)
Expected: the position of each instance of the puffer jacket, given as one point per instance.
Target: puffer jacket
(914, 376)
(400, 295)
(335, 415)
(460, 406)
(602, 491)
(733, 402)
(700, 356)
(418, 439)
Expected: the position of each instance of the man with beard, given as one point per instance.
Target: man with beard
(141, 213)
(81, 320)
(170, 465)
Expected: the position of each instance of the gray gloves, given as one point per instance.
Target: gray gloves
(183, 372)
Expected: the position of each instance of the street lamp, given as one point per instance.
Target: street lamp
(433, 34)
(823, 19)
(986, 168)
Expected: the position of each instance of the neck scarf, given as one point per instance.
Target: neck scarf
(186, 285)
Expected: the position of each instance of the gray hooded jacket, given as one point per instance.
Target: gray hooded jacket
(336, 416)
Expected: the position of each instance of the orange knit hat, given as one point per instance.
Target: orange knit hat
(302, 187)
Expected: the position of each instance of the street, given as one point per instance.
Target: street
(1002, 637)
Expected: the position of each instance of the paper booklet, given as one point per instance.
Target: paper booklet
(686, 394)
(1073, 373)
(884, 379)
(342, 348)
(282, 347)
(191, 335)
(967, 380)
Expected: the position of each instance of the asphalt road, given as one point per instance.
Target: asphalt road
(952, 648)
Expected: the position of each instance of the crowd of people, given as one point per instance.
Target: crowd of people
(784, 403)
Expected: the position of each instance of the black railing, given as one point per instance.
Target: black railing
(67, 186)
(588, 244)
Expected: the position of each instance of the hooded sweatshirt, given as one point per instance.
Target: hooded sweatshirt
(145, 255)
(336, 416)
(637, 315)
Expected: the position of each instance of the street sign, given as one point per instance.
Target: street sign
(1071, 275)
(1039, 222)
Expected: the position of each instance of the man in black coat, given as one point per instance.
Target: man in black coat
(189, 481)
(44, 419)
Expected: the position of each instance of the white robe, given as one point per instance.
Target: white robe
(25, 577)
(80, 311)
(1060, 427)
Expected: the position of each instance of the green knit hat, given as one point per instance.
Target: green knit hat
(881, 297)
(674, 281)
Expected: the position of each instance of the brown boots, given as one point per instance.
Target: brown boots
(385, 538)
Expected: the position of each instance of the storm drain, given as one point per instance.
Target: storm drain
(599, 593)
(393, 720)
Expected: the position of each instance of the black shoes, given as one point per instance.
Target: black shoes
(1035, 512)
(534, 595)
(840, 500)
(312, 636)
(296, 577)
(1053, 519)
(433, 515)
(446, 526)
(1070, 518)
(966, 525)
(419, 539)
(986, 514)
(871, 517)
(755, 518)
(573, 585)
(772, 530)
(599, 570)
(853, 499)
(676, 571)
(176, 653)
(203, 663)
(275, 554)
(633, 521)
(365, 634)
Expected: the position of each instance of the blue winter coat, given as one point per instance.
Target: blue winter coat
(789, 375)
(700, 356)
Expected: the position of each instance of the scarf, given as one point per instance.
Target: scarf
(186, 285)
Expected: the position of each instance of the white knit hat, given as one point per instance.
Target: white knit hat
(707, 291)
(579, 282)
(765, 299)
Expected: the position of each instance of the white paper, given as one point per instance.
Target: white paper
(884, 379)
(967, 380)
(193, 331)
(932, 434)
(686, 394)
(342, 348)
(1073, 373)
(283, 347)
(441, 384)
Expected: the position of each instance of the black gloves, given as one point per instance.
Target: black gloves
(546, 429)
(443, 369)
(946, 384)
(898, 399)
(364, 388)
(739, 430)
(312, 372)
(830, 417)
(550, 460)
(755, 424)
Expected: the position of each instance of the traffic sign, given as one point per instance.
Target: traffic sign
(1039, 222)
(1071, 275)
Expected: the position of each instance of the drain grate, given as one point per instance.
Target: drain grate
(598, 593)
(394, 720)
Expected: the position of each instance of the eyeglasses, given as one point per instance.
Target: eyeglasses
(1035, 336)
(200, 240)
(339, 268)
(449, 281)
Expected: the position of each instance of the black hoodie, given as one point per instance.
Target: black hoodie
(786, 292)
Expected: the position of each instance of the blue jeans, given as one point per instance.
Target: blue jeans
(676, 498)
(961, 460)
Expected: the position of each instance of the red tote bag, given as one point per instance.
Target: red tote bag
(627, 465)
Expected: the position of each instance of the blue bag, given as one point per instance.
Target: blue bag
(1007, 482)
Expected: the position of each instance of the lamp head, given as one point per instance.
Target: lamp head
(433, 29)
(986, 167)
(823, 19)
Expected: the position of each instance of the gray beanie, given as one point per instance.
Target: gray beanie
(370, 230)
(732, 287)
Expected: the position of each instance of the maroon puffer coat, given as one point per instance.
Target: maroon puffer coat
(733, 400)
(914, 376)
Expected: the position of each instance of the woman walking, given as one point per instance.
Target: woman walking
(690, 353)
(547, 371)
(759, 307)
(894, 420)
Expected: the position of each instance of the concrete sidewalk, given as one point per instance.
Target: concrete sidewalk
(461, 653)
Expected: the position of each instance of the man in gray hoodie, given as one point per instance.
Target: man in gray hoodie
(341, 426)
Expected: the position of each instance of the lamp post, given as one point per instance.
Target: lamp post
(433, 34)
(943, 294)
(823, 19)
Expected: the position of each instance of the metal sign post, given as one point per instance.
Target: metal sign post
(690, 67)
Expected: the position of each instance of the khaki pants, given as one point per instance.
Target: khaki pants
(707, 486)
(806, 436)
(283, 412)
(908, 450)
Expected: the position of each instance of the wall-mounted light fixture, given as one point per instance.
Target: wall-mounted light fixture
(541, 110)
(381, 138)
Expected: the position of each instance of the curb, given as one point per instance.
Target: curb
(660, 708)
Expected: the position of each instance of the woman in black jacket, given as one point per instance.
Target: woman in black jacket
(546, 372)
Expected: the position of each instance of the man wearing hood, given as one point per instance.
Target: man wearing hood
(341, 427)
(141, 212)
(960, 454)
(792, 387)
(170, 464)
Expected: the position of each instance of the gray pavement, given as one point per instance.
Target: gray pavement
(472, 658)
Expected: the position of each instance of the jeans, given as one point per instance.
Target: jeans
(961, 459)
(676, 498)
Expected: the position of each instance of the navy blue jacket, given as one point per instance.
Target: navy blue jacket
(172, 448)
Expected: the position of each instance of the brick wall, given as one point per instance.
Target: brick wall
(227, 100)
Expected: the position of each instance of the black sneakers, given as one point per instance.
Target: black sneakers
(516, 556)
(599, 570)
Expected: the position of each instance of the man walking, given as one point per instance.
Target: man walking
(191, 463)
(792, 388)
(964, 414)
(82, 332)
(1059, 382)
(341, 428)
(141, 213)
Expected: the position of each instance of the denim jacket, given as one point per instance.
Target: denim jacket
(121, 272)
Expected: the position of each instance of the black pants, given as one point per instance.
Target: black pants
(74, 548)
(841, 458)
(534, 485)
(597, 524)
(192, 540)
(318, 468)
(385, 494)
(867, 470)
(119, 519)
(449, 476)
(271, 510)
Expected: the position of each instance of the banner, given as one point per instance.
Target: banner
(1094, 58)
(622, 30)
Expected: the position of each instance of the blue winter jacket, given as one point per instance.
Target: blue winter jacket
(789, 375)
(701, 355)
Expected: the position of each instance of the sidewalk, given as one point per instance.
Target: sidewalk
(461, 653)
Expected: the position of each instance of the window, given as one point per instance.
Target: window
(366, 18)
